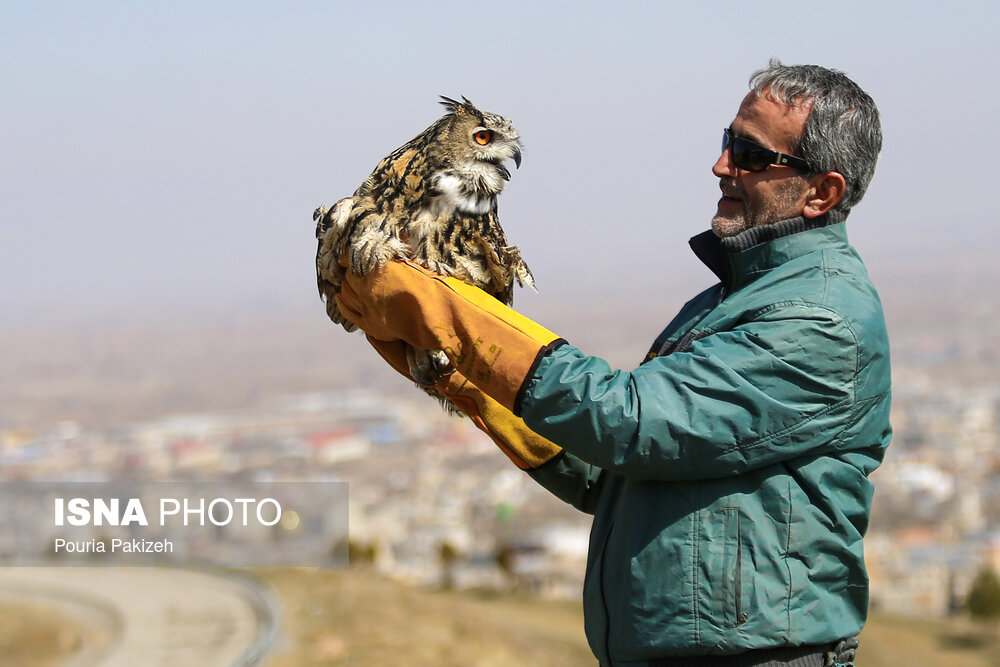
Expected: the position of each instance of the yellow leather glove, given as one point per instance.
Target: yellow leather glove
(523, 446)
(494, 346)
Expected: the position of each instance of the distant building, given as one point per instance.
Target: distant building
(336, 445)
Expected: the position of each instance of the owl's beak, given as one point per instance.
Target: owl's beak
(504, 172)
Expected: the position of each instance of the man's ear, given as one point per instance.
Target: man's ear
(825, 192)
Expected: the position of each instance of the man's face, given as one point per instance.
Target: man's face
(750, 199)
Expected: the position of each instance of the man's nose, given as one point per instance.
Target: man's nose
(724, 165)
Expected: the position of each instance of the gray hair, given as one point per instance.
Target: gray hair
(843, 132)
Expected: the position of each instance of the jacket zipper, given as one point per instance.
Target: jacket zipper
(739, 572)
(604, 599)
(741, 617)
(691, 334)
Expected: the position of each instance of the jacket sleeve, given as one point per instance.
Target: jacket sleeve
(774, 388)
(571, 480)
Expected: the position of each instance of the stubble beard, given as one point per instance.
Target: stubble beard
(781, 206)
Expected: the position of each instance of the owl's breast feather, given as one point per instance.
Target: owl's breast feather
(426, 222)
(455, 191)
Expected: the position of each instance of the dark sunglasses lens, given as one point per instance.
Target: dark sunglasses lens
(749, 156)
(746, 154)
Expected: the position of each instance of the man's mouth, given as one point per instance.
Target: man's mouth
(730, 202)
(729, 195)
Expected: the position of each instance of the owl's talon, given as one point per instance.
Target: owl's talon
(428, 367)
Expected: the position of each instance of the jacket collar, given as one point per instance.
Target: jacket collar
(736, 260)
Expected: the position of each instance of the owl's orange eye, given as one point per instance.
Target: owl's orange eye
(483, 137)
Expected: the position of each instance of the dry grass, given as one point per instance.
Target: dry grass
(357, 618)
(888, 641)
(33, 636)
(353, 618)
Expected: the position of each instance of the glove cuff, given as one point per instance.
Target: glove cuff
(512, 436)
(493, 345)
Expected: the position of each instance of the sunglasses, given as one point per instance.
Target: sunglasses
(751, 156)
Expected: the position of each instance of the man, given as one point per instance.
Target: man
(727, 474)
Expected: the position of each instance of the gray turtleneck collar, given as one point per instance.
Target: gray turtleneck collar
(713, 251)
(748, 238)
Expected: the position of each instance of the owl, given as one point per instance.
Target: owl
(433, 201)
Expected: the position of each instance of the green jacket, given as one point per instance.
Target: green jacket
(728, 474)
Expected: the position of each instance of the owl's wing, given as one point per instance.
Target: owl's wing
(333, 229)
(363, 232)
(503, 262)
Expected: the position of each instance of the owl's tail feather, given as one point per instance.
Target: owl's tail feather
(338, 318)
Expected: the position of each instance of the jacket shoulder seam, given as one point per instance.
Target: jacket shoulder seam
(765, 439)
(840, 319)
(857, 406)
(835, 316)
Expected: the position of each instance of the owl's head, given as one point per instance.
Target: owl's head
(475, 144)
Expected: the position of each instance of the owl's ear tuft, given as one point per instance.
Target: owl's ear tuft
(456, 107)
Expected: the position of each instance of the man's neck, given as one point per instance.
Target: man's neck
(756, 235)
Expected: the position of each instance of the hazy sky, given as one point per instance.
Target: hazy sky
(169, 155)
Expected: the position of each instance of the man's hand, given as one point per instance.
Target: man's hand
(492, 345)
(388, 304)
(523, 446)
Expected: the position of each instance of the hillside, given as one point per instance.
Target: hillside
(356, 618)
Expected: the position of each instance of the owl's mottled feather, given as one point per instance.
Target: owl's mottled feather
(434, 201)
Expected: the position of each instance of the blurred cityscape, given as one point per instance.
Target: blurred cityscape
(432, 501)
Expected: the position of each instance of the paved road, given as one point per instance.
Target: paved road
(156, 617)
